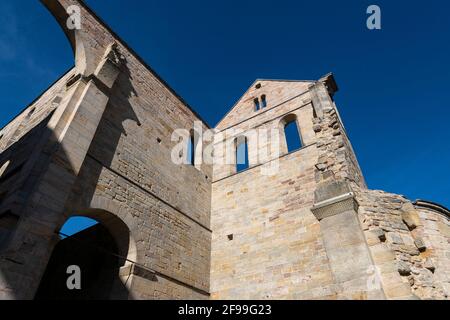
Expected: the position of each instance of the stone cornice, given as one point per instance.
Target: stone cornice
(336, 205)
(332, 198)
(432, 206)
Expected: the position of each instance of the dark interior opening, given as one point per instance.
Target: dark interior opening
(95, 251)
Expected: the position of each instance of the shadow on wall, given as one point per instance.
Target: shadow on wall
(29, 239)
(95, 252)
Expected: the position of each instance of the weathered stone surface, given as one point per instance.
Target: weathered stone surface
(429, 265)
(410, 216)
(403, 268)
(299, 225)
(90, 148)
(380, 234)
(420, 244)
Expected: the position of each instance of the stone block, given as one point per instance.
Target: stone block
(420, 244)
(411, 219)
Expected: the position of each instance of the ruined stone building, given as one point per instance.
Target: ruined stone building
(99, 143)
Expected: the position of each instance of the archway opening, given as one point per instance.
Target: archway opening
(86, 262)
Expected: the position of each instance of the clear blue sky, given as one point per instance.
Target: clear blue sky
(394, 95)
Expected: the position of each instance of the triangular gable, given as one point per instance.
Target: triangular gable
(275, 91)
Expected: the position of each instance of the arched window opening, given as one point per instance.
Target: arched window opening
(263, 101)
(257, 105)
(191, 148)
(99, 248)
(242, 162)
(292, 134)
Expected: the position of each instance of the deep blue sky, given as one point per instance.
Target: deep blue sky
(393, 97)
(76, 224)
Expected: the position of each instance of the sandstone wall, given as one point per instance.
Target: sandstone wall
(405, 244)
(299, 225)
(262, 148)
(410, 246)
(434, 230)
(169, 202)
(276, 92)
(33, 114)
(266, 243)
(107, 151)
(167, 241)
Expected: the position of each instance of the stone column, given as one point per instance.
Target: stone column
(354, 271)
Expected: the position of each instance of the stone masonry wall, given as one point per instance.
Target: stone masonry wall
(168, 242)
(336, 157)
(434, 230)
(143, 113)
(169, 202)
(276, 92)
(266, 243)
(100, 145)
(130, 173)
(405, 244)
(34, 114)
(261, 150)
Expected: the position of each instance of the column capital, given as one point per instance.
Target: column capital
(332, 198)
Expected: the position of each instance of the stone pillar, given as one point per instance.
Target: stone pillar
(322, 92)
(355, 273)
(73, 127)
